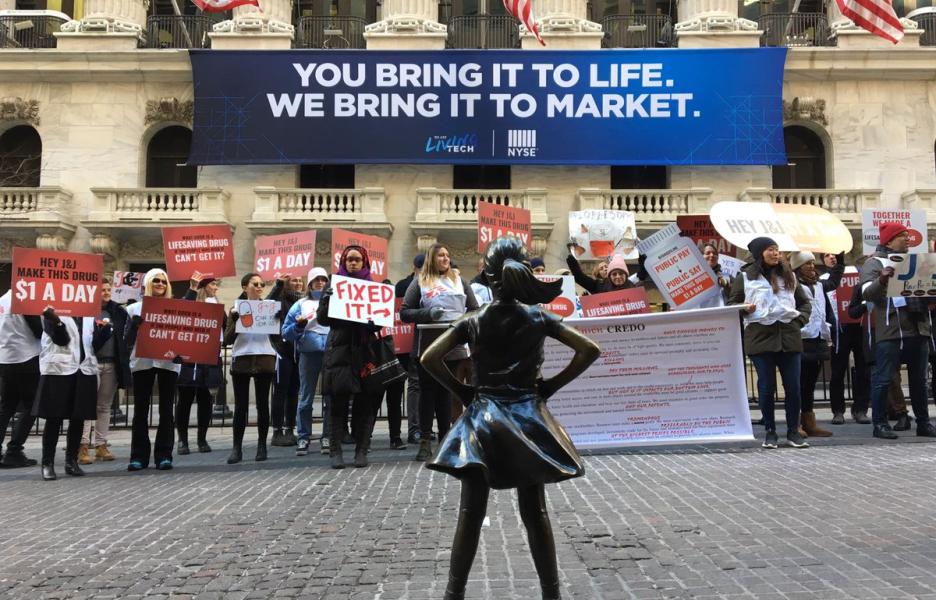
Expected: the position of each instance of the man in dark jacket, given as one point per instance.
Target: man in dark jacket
(902, 334)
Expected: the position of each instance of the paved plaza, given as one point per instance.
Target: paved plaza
(851, 517)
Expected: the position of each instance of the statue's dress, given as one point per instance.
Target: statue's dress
(507, 433)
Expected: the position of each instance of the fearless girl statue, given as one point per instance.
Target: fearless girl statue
(507, 438)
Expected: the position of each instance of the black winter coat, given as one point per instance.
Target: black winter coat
(203, 376)
(347, 345)
(119, 325)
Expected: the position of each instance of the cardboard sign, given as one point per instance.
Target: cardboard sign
(127, 286)
(361, 301)
(495, 220)
(622, 302)
(69, 282)
(376, 249)
(564, 304)
(700, 230)
(257, 316)
(170, 328)
(792, 226)
(678, 269)
(601, 233)
(841, 296)
(915, 220)
(207, 249)
(288, 253)
(402, 332)
(914, 276)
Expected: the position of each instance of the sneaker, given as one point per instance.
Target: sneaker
(838, 419)
(278, 438)
(770, 441)
(884, 432)
(135, 465)
(290, 437)
(302, 448)
(412, 438)
(903, 423)
(182, 448)
(164, 465)
(861, 417)
(325, 445)
(795, 440)
(926, 429)
(17, 460)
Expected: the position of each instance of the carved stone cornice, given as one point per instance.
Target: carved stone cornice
(805, 109)
(169, 110)
(14, 108)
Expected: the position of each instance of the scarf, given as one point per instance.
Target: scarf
(364, 273)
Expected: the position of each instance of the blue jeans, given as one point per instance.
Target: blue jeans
(310, 366)
(766, 365)
(888, 355)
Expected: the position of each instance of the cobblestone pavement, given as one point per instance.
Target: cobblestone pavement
(849, 518)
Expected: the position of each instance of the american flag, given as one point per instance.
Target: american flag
(876, 16)
(522, 10)
(216, 6)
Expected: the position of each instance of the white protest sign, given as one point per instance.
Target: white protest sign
(678, 269)
(564, 304)
(730, 266)
(257, 316)
(601, 233)
(127, 286)
(361, 301)
(914, 275)
(662, 378)
(793, 226)
(914, 220)
(308, 309)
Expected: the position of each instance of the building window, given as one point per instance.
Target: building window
(806, 162)
(166, 156)
(481, 177)
(626, 177)
(326, 176)
(20, 157)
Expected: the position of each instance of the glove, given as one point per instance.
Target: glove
(234, 315)
(885, 276)
(301, 322)
(178, 360)
(101, 334)
(49, 314)
(436, 312)
(136, 320)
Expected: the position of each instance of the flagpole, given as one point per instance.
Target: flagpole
(786, 30)
(178, 13)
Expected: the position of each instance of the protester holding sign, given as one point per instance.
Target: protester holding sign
(113, 374)
(617, 275)
(902, 334)
(67, 384)
(777, 309)
(438, 295)
(817, 332)
(349, 345)
(196, 381)
(848, 341)
(710, 254)
(253, 356)
(302, 330)
(19, 378)
(146, 372)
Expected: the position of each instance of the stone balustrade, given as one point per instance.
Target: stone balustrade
(845, 204)
(39, 216)
(158, 206)
(461, 206)
(649, 206)
(360, 208)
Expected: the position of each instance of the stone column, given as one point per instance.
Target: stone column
(563, 26)
(7, 4)
(850, 35)
(266, 28)
(409, 25)
(714, 24)
(107, 25)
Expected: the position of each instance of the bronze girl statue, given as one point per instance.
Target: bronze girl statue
(507, 438)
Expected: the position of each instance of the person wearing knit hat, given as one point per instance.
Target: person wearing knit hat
(148, 373)
(902, 331)
(617, 275)
(538, 266)
(776, 308)
(816, 333)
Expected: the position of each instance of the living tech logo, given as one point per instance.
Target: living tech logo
(452, 144)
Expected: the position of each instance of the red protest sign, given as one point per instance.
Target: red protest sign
(69, 282)
(183, 328)
(402, 332)
(376, 249)
(288, 253)
(361, 301)
(700, 229)
(843, 294)
(622, 302)
(207, 249)
(495, 220)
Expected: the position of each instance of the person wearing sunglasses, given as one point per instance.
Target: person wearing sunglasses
(253, 357)
(145, 373)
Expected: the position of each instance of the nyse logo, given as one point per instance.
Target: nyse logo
(521, 142)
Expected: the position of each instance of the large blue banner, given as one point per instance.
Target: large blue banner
(619, 107)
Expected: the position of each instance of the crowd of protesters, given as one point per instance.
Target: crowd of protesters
(69, 369)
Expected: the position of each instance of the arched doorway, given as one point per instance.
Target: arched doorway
(166, 155)
(20, 157)
(806, 161)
